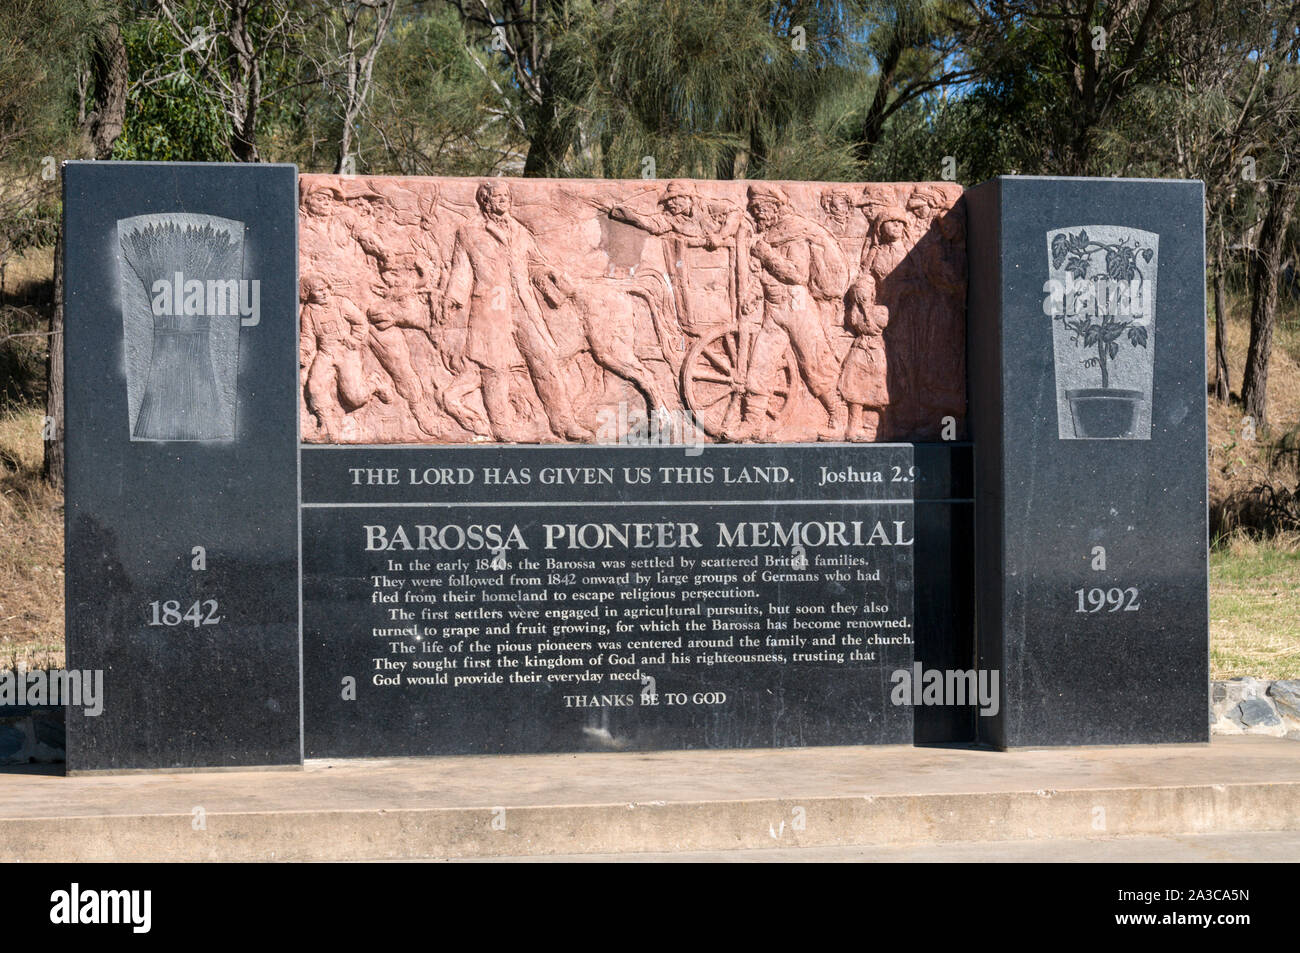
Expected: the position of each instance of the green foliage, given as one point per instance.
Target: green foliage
(919, 138)
(168, 119)
(42, 46)
(711, 88)
(439, 107)
(1017, 106)
(42, 49)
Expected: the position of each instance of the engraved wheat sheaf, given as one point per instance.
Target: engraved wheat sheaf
(185, 389)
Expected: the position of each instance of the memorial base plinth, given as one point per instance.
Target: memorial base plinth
(659, 802)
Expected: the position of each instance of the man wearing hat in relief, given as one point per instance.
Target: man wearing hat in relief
(926, 203)
(799, 265)
(699, 252)
(332, 216)
(843, 221)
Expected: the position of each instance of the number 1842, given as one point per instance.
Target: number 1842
(169, 613)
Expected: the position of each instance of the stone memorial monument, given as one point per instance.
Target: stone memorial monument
(182, 463)
(616, 587)
(1087, 363)
(618, 465)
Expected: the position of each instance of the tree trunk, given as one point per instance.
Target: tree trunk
(243, 126)
(360, 71)
(52, 432)
(548, 143)
(244, 147)
(1222, 384)
(345, 165)
(245, 95)
(873, 123)
(1263, 298)
(101, 128)
(726, 167)
(110, 70)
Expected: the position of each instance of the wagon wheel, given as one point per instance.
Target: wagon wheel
(713, 382)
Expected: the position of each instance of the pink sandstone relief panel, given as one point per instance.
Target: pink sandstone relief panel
(444, 310)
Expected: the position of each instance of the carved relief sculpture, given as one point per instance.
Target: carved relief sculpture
(531, 311)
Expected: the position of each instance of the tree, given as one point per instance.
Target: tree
(524, 33)
(107, 78)
(714, 90)
(1279, 102)
(229, 48)
(170, 117)
(42, 46)
(915, 47)
(1281, 194)
(352, 46)
(1206, 119)
(436, 108)
(1055, 73)
(53, 55)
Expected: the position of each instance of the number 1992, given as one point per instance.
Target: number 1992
(1113, 599)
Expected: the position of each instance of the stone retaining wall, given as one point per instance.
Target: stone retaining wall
(1252, 706)
(30, 733)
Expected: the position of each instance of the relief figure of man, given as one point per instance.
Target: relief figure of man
(701, 253)
(495, 262)
(800, 265)
(331, 343)
(401, 297)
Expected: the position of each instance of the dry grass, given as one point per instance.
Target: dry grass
(29, 276)
(24, 320)
(1255, 608)
(1254, 567)
(31, 549)
(31, 513)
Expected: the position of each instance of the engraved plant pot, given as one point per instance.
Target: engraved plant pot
(1105, 413)
(1100, 296)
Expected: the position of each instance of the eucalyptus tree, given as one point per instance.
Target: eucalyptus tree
(1055, 74)
(1207, 118)
(1278, 171)
(238, 53)
(914, 48)
(530, 37)
(343, 50)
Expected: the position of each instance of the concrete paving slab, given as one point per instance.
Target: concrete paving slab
(670, 801)
(1239, 848)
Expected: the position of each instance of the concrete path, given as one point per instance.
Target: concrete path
(1260, 847)
(700, 801)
